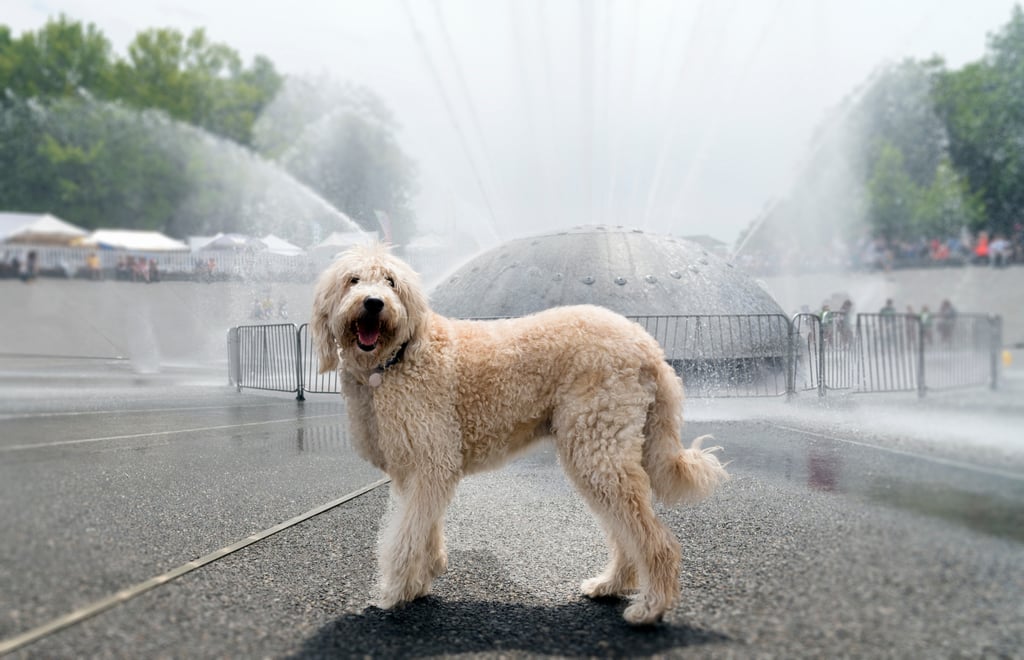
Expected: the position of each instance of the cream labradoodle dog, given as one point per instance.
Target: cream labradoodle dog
(431, 399)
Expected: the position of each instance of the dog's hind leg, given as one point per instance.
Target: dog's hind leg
(604, 462)
(624, 501)
(412, 547)
(619, 577)
(437, 556)
(657, 555)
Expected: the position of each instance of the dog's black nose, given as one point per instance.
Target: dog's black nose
(373, 304)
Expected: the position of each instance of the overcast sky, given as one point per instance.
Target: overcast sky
(528, 115)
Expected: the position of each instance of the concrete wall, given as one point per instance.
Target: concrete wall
(152, 324)
(186, 322)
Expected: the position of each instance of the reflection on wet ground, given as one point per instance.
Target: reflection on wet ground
(328, 438)
(982, 499)
(983, 512)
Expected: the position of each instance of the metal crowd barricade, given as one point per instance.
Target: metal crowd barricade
(838, 352)
(807, 365)
(755, 355)
(267, 357)
(312, 380)
(952, 346)
(726, 355)
(890, 353)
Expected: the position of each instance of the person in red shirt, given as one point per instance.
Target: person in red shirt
(981, 247)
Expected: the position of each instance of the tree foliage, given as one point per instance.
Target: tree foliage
(163, 138)
(61, 58)
(918, 151)
(339, 140)
(78, 159)
(189, 77)
(196, 81)
(983, 109)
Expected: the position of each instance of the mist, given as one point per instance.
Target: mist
(674, 117)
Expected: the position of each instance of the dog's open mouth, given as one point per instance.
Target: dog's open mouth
(367, 332)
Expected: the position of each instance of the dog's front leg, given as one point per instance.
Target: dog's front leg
(412, 547)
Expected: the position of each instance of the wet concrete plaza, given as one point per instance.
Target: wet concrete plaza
(865, 526)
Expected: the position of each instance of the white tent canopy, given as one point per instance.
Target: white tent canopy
(233, 242)
(196, 243)
(133, 239)
(37, 228)
(339, 241)
(277, 245)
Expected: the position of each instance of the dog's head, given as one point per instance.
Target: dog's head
(367, 304)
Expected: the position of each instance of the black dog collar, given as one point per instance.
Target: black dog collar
(377, 377)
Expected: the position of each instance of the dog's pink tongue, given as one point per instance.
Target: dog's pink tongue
(368, 336)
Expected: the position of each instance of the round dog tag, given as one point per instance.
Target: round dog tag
(375, 379)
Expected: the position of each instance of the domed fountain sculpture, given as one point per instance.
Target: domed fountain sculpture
(707, 315)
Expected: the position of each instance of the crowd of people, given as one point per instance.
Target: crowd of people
(874, 253)
(13, 266)
(129, 268)
(27, 266)
(65, 262)
(263, 308)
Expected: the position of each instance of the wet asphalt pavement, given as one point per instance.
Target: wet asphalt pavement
(826, 542)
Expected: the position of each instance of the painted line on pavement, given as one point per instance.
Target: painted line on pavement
(72, 413)
(89, 611)
(62, 443)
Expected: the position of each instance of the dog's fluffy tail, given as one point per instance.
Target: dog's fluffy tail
(677, 473)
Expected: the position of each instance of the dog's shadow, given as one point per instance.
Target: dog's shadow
(435, 626)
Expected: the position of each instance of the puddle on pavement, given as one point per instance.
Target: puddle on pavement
(324, 439)
(985, 513)
(982, 501)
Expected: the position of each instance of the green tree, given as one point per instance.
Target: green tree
(893, 195)
(25, 182)
(947, 205)
(196, 81)
(981, 105)
(900, 209)
(101, 166)
(127, 142)
(340, 140)
(896, 110)
(58, 60)
(8, 59)
(880, 166)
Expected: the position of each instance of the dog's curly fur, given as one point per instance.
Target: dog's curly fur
(431, 399)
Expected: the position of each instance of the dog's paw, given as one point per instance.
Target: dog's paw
(641, 613)
(397, 595)
(601, 587)
(388, 602)
(439, 563)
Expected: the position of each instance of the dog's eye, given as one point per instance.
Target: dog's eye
(391, 282)
(353, 280)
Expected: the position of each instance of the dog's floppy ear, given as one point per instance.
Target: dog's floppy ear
(417, 308)
(321, 336)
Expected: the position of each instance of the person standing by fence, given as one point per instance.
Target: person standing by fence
(92, 267)
(31, 267)
(981, 248)
(828, 318)
(926, 325)
(844, 324)
(947, 319)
